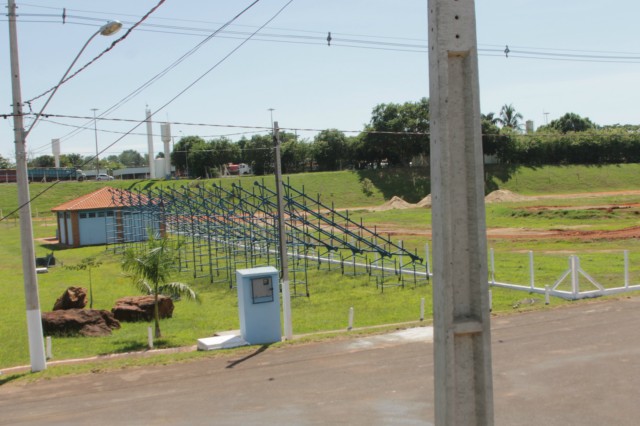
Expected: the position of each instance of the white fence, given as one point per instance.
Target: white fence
(581, 284)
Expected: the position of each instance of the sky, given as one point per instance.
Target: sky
(564, 56)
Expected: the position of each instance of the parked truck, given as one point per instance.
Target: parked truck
(238, 169)
(44, 174)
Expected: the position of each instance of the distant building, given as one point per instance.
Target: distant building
(101, 217)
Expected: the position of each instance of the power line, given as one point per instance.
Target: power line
(101, 54)
(162, 73)
(189, 86)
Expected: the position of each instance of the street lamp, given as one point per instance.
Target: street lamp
(271, 111)
(95, 131)
(34, 321)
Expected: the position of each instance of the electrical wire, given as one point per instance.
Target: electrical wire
(101, 54)
(157, 76)
(189, 86)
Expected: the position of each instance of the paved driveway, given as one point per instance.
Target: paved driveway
(578, 365)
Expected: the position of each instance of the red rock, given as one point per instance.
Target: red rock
(85, 322)
(140, 308)
(72, 298)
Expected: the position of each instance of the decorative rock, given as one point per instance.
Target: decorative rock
(85, 322)
(140, 308)
(72, 298)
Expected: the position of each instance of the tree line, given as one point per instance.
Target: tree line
(397, 135)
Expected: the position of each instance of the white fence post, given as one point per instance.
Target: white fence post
(626, 269)
(422, 309)
(546, 294)
(531, 273)
(49, 348)
(350, 327)
(574, 265)
(493, 267)
(149, 338)
(490, 301)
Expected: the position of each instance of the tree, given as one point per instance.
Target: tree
(181, 153)
(571, 122)
(71, 160)
(131, 158)
(43, 161)
(87, 263)
(5, 163)
(510, 118)
(258, 152)
(397, 132)
(294, 153)
(150, 269)
(329, 149)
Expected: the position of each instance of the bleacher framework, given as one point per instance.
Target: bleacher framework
(219, 230)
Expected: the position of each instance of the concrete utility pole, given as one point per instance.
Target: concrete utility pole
(165, 134)
(462, 349)
(282, 234)
(32, 300)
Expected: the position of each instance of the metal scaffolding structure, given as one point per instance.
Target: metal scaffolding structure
(219, 230)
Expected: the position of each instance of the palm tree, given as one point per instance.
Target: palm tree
(151, 267)
(490, 117)
(509, 117)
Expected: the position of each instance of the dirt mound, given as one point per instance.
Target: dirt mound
(503, 195)
(394, 203)
(425, 202)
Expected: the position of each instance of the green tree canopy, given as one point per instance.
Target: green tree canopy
(5, 163)
(407, 126)
(329, 149)
(571, 122)
(131, 158)
(43, 161)
(510, 118)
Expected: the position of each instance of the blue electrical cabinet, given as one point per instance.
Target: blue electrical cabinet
(259, 305)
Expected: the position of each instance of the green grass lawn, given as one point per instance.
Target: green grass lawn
(332, 294)
(345, 189)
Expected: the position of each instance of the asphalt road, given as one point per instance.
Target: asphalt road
(577, 365)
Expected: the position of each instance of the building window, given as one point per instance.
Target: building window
(101, 214)
(83, 215)
(91, 214)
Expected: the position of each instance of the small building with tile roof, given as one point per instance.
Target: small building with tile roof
(101, 217)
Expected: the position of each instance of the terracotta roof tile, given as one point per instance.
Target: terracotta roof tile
(103, 198)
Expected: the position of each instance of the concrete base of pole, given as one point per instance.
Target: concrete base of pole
(36, 341)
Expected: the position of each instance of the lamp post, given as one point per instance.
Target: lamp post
(34, 321)
(271, 111)
(95, 131)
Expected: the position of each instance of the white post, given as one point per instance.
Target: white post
(490, 300)
(49, 348)
(493, 266)
(626, 269)
(546, 294)
(32, 300)
(531, 273)
(150, 338)
(350, 326)
(574, 265)
(282, 232)
(462, 336)
(422, 309)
